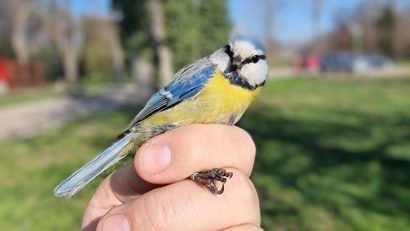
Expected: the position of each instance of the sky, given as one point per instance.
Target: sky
(293, 22)
(87, 7)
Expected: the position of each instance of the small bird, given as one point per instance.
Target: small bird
(215, 89)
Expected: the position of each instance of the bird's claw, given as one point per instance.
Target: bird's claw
(210, 177)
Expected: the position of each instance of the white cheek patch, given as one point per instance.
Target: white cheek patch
(255, 73)
(220, 58)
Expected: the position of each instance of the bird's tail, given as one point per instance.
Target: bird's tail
(95, 167)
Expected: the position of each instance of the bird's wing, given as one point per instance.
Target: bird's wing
(186, 84)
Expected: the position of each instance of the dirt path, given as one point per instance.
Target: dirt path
(29, 119)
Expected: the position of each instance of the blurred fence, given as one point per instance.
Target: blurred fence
(15, 76)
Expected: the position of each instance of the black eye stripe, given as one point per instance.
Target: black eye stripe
(254, 59)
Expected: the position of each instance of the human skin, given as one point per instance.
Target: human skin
(155, 194)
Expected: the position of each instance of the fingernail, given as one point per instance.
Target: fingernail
(155, 158)
(116, 223)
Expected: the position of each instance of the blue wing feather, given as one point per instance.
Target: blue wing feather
(187, 83)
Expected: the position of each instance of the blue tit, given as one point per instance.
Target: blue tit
(215, 89)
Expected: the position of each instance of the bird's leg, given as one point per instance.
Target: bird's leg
(209, 178)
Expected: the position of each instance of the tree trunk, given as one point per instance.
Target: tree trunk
(157, 26)
(64, 32)
(18, 38)
(270, 21)
(165, 64)
(71, 66)
(316, 28)
(142, 73)
(117, 54)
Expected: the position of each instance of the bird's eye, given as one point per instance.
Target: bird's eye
(255, 59)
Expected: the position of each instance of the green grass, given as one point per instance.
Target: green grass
(332, 155)
(27, 96)
(31, 168)
(89, 88)
(403, 62)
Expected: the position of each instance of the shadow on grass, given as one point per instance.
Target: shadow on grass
(321, 173)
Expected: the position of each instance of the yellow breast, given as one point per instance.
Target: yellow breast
(218, 102)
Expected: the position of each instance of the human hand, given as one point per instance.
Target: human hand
(155, 194)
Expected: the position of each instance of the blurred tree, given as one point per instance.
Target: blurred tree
(5, 46)
(157, 28)
(364, 18)
(134, 30)
(51, 58)
(386, 26)
(21, 25)
(269, 28)
(21, 12)
(134, 25)
(116, 49)
(64, 31)
(402, 34)
(317, 6)
(96, 50)
(271, 7)
(340, 39)
(23, 36)
(103, 54)
(383, 23)
(193, 28)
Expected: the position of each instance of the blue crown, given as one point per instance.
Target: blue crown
(255, 42)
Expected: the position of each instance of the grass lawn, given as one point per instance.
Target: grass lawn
(332, 155)
(27, 96)
(48, 92)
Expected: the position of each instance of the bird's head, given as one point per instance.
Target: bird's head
(243, 59)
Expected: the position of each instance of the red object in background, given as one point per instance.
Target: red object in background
(311, 63)
(4, 73)
(16, 76)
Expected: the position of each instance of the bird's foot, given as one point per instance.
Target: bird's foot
(209, 178)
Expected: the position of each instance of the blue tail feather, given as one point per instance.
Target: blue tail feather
(95, 167)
